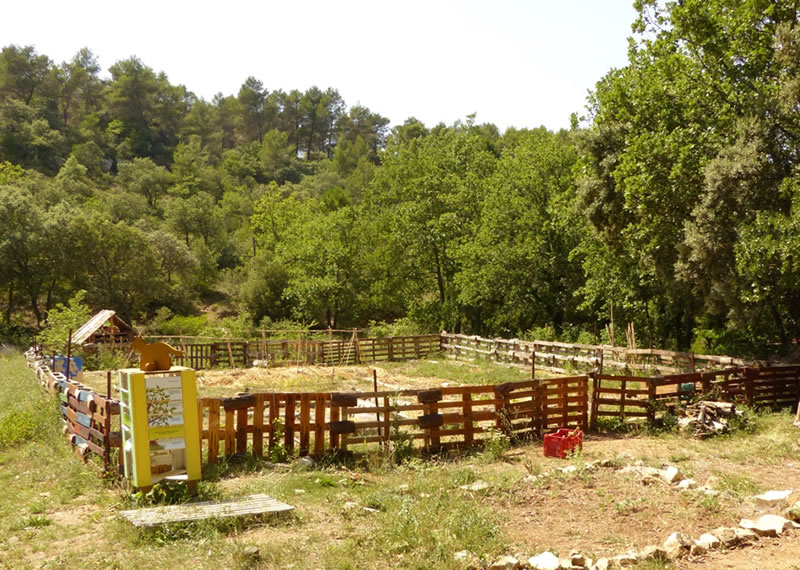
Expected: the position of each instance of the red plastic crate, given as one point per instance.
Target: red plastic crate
(562, 441)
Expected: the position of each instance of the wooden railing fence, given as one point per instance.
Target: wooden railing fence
(571, 358)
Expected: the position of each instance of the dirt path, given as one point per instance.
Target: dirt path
(767, 554)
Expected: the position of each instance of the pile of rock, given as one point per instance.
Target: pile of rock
(677, 545)
(705, 419)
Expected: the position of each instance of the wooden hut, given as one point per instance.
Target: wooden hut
(104, 328)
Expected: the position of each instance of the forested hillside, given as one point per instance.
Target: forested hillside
(675, 203)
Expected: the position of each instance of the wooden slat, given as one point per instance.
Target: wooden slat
(252, 505)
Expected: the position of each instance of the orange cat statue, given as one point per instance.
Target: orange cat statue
(156, 356)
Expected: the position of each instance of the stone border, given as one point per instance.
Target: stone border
(677, 545)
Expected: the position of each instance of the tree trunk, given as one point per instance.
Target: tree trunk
(10, 302)
(439, 276)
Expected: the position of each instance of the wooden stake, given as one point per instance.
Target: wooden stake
(377, 405)
(230, 352)
(69, 354)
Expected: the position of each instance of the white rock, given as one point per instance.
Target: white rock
(577, 559)
(478, 485)
(707, 541)
(726, 536)
(544, 561)
(601, 564)
(745, 536)
(774, 498)
(568, 469)
(506, 563)
(467, 559)
(670, 474)
(653, 553)
(306, 462)
(698, 550)
(624, 560)
(677, 545)
(687, 484)
(768, 525)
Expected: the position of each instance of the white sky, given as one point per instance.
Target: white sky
(513, 62)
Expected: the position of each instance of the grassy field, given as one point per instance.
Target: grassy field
(56, 512)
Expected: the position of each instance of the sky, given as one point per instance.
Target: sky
(521, 63)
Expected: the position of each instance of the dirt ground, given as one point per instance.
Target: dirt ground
(601, 513)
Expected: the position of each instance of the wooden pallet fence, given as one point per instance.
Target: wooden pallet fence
(637, 397)
(442, 418)
(565, 402)
(619, 397)
(88, 416)
(229, 354)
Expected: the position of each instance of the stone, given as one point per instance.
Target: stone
(505, 563)
(670, 474)
(793, 513)
(601, 564)
(712, 482)
(745, 536)
(306, 462)
(544, 561)
(467, 560)
(568, 469)
(251, 552)
(698, 550)
(299, 491)
(677, 545)
(625, 560)
(726, 536)
(476, 486)
(653, 553)
(774, 498)
(577, 559)
(706, 541)
(687, 484)
(768, 525)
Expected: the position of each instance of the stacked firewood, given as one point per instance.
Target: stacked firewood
(706, 419)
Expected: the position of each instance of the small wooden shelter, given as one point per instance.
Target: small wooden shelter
(104, 328)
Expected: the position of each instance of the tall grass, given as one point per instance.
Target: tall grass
(26, 413)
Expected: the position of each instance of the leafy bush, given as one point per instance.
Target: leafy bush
(54, 337)
(401, 327)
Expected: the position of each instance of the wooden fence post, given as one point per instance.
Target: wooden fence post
(594, 404)
(651, 400)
